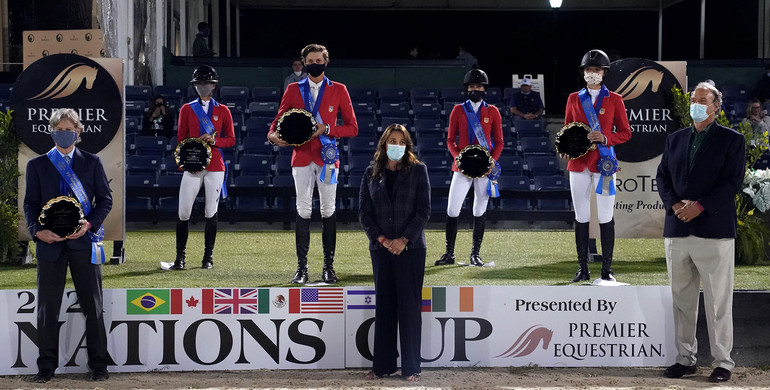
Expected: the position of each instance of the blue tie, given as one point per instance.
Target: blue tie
(64, 188)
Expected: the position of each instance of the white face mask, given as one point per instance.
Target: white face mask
(298, 73)
(592, 78)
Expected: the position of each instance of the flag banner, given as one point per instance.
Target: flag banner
(247, 328)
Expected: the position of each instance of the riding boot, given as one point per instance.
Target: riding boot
(182, 231)
(607, 232)
(329, 241)
(581, 244)
(302, 240)
(209, 238)
(451, 235)
(478, 236)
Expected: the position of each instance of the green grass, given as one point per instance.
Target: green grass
(267, 259)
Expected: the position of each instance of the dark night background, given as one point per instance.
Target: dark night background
(550, 42)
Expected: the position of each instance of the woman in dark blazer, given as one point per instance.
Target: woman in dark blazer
(394, 208)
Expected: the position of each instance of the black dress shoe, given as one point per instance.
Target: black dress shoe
(476, 260)
(582, 274)
(207, 264)
(678, 370)
(446, 259)
(43, 376)
(178, 265)
(720, 375)
(329, 276)
(100, 375)
(300, 277)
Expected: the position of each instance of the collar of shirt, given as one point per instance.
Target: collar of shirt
(205, 105)
(594, 94)
(314, 85)
(704, 131)
(71, 154)
(476, 106)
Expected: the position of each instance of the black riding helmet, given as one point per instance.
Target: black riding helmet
(597, 58)
(475, 76)
(204, 73)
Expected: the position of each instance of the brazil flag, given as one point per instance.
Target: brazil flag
(147, 302)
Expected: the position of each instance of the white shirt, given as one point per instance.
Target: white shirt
(314, 88)
(205, 105)
(594, 94)
(476, 106)
(71, 154)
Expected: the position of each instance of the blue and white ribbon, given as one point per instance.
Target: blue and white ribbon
(607, 164)
(69, 176)
(474, 123)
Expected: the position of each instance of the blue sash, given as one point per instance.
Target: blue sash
(474, 122)
(607, 164)
(329, 152)
(205, 126)
(69, 177)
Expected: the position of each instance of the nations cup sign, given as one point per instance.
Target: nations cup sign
(646, 89)
(192, 329)
(66, 81)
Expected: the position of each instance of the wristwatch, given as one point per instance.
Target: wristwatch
(328, 129)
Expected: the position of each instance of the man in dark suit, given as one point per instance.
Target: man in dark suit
(54, 253)
(701, 171)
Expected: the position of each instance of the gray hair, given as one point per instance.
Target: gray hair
(68, 114)
(717, 95)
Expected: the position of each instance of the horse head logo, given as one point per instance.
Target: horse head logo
(68, 81)
(528, 342)
(636, 83)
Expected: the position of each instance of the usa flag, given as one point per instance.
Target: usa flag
(230, 301)
(316, 300)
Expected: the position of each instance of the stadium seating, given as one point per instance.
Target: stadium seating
(136, 92)
(146, 145)
(393, 95)
(535, 145)
(395, 110)
(543, 165)
(266, 94)
(254, 165)
(362, 95)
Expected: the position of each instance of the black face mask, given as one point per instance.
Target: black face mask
(315, 70)
(475, 96)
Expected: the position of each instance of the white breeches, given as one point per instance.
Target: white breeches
(581, 185)
(305, 178)
(191, 185)
(458, 189)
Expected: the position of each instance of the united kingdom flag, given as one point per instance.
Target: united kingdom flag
(230, 301)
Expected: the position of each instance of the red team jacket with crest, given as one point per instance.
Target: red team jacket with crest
(491, 123)
(335, 100)
(614, 123)
(223, 124)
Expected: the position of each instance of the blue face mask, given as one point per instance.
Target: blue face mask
(396, 152)
(698, 112)
(64, 139)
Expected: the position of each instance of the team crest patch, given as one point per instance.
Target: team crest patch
(486, 120)
(601, 111)
(331, 108)
(216, 117)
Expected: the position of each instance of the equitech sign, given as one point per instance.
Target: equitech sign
(66, 81)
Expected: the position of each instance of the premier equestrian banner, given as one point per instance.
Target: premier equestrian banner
(189, 329)
(92, 87)
(646, 89)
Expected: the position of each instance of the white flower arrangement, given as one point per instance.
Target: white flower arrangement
(756, 185)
